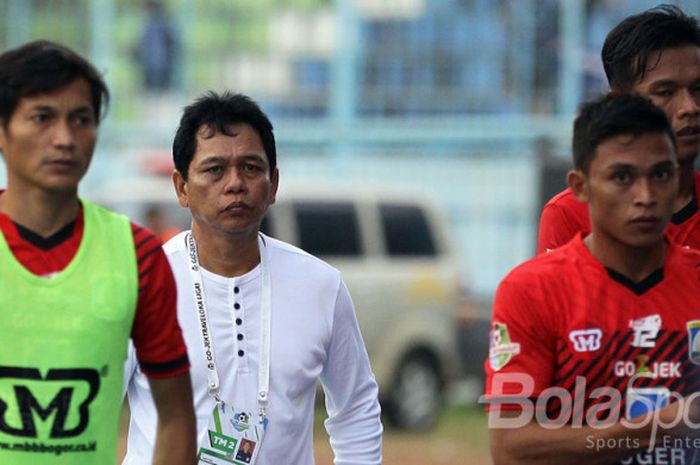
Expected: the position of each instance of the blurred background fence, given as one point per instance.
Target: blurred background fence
(470, 101)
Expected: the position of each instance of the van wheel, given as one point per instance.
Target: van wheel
(416, 399)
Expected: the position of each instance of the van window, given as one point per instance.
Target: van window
(328, 229)
(406, 231)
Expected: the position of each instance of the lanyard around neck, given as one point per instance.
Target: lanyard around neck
(265, 323)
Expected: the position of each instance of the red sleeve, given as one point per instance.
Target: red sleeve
(522, 342)
(160, 348)
(562, 218)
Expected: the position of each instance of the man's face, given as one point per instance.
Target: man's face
(630, 188)
(229, 185)
(673, 84)
(49, 140)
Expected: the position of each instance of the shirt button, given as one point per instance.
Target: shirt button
(240, 337)
(236, 305)
(241, 353)
(236, 290)
(239, 321)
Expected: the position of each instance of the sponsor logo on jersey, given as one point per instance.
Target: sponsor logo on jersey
(586, 340)
(501, 348)
(642, 368)
(694, 341)
(640, 401)
(645, 330)
(20, 408)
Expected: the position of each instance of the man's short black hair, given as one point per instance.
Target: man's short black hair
(630, 44)
(41, 67)
(218, 112)
(612, 115)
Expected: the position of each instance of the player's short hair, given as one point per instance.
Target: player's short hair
(218, 112)
(612, 115)
(630, 44)
(41, 67)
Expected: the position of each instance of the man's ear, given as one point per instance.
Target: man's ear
(180, 189)
(3, 135)
(275, 181)
(577, 182)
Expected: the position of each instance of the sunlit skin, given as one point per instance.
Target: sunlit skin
(228, 190)
(47, 146)
(672, 82)
(630, 187)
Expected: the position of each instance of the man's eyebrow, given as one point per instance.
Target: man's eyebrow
(212, 159)
(253, 157)
(663, 83)
(42, 107)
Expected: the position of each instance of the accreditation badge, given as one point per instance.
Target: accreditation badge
(233, 436)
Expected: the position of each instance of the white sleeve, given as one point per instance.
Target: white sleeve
(130, 367)
(352, 403)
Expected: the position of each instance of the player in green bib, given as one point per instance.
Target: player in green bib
(65, 328)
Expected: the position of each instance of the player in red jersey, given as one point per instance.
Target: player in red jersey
(655, 54)
(51, 102)
(592, 340)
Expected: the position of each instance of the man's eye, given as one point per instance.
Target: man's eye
(662, 175)
(214, 170)
(40, 117)
(83, 120)
(621, 177)
(663, 93)
(252, 167)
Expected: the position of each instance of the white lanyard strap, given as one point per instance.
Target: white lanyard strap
(201, 306)
(265, 323)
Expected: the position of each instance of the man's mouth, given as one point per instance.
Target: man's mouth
(688, 131)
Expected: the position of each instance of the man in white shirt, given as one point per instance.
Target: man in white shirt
(263, 320)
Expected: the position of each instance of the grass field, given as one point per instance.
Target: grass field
(459, 438)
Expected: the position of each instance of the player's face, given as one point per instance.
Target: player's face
(229, 185)
(630, 188)
(49, 140)
(672, 82)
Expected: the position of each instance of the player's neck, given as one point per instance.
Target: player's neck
(686, 183)
(635, 263)
(226, 255)
(42, 212)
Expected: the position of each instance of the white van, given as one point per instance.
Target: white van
(394, 253)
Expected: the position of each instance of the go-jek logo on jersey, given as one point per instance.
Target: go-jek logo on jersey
(645, 331)
(643, 369)
(56, 392)
(586, 340)
(501, 348)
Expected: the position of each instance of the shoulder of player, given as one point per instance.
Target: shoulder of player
(546, 266)
(564, 199)
(145, 240)
(687, 256)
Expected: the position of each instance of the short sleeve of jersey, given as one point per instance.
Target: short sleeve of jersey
(562, 217)
(160, 348)
(522, 341)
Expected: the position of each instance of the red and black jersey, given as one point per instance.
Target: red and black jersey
(156, 334)
(564, 216)
(563, 320)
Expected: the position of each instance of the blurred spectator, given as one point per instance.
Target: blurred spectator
(157, 221)
(157, 50)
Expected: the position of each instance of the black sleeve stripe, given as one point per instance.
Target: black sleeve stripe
(164, 367)
(143, 257)
(143, 273)
(145, 241)
(135, 228)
